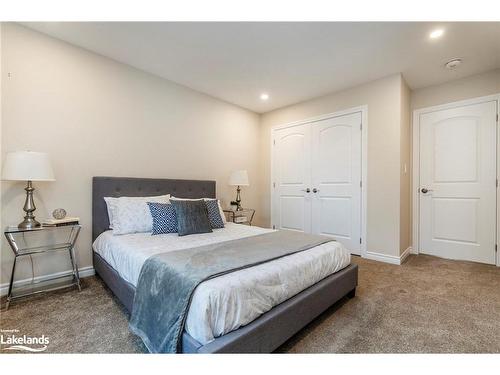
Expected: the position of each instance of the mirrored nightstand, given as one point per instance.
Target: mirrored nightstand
(48, 239)
(243, 216)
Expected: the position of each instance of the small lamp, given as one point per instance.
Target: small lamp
(238, 178)
(28, 166)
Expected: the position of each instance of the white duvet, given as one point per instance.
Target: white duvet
(225, 303)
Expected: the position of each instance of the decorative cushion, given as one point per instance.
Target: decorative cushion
(221, 212)
(192, 216)
(214, 213)
(131, 214)
(164, 218)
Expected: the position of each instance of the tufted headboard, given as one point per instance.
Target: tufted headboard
(140, 187)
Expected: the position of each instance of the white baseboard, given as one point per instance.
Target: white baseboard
(83, 272)
(392, 259)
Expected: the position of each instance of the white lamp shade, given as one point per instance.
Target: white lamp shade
(27, 166)
(239, 178)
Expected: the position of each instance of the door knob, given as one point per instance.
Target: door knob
(425, 190)
(306, 190)
(315, 190)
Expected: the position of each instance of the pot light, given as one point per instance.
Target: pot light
(436, 34)
(264, 96)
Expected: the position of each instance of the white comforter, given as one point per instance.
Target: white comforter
(225, 303)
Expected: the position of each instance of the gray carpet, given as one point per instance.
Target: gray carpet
(426, 305)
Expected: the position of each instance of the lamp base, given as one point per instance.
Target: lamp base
(29, 223)
(238, 199)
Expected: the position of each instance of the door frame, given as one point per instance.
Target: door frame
(363, 109)
(416, 164)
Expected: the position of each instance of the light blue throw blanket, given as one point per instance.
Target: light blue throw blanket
(167, 281)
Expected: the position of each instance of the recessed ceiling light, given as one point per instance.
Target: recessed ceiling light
(264, 96)
(452, 64)
(436, 34)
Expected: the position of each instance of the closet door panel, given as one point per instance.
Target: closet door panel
(335, 178)
(292, 178)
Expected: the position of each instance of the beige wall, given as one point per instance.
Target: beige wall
(96, 117)
(405, 170)
(469, 87)
(383, 98)
(390, 105)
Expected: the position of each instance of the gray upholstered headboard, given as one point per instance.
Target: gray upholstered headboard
(140, 187)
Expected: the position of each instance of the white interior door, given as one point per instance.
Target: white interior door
(336, 177)
(458, 182)
(292, 178)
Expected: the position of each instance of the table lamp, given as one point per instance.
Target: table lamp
(28, 166)
(238, 178)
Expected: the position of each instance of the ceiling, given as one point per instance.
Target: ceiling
(292, 62)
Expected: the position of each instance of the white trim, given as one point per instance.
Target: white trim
(415, 180)
(83, 272)
(392, 259)
(497, 239)
(364, 160)
(325, 116)
(416, 162)
(460, 103)
(364, 178)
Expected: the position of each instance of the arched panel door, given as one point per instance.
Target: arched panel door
(292, 179)
(336, 177)
(458, 182)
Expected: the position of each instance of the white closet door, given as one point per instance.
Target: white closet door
(458, 182)
(336, 177)
(292, 178)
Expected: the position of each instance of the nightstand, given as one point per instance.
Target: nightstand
(21, 242)
(243, 216)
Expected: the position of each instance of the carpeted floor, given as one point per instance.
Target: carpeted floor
(426, 305)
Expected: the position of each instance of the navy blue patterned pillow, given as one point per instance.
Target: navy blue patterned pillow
(164, 218)
(214, 213)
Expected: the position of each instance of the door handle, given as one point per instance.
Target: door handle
(425, 190)
(315, 190)
(306, 190)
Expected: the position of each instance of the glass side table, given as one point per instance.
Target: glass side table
(243, 216)
(20, 245)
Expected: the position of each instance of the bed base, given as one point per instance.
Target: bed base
(271, 329)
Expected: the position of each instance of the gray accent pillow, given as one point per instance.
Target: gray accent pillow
(192, 217)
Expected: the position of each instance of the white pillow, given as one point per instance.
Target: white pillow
(110, 205)
(207, 199)
(131, 214)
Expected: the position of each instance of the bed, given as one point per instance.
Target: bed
(118, 259)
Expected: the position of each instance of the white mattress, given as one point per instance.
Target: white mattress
(225, 303)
